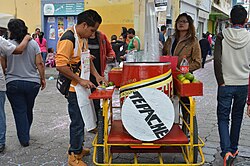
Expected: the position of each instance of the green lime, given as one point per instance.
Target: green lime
(195, 80)
(180, 76)
(110, 84)
(189, 76)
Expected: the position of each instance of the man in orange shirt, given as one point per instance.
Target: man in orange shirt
(70, 48)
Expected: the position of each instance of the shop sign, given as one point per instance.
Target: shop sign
(63, 9)
(161, 5)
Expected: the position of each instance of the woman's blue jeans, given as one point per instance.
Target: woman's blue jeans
(76, 124)
(2, 118)
(22, 95)
(44, 56)
(230, 98)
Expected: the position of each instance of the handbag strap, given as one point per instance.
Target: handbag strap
(182, 49)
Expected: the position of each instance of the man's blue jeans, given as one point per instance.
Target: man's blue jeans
(227, 97)
(2, 118)
(76, 125)
(22, 95)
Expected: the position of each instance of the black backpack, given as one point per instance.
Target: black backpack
(63, 82)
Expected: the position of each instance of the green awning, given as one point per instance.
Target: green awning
(213, 16)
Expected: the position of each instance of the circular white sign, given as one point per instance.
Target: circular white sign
(48, 9)
(147, 114)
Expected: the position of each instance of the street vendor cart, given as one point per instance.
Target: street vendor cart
(113, 137)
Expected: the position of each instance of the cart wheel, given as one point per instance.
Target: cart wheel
(186, 117)
(195, 140)
(185, 114)
(100, 136)
(195, 137)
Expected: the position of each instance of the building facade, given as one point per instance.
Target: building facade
(199, 10)
(27, 10)
(219, 16)
(55, 16)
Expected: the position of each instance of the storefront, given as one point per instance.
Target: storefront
(203, 16)
(199, 11)
(57, 17)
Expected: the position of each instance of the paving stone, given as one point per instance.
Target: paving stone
(209, 158)
(209, 151)
(213, 145)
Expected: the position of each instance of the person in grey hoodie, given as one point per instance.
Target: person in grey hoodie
(231, 66)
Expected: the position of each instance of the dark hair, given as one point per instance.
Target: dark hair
(131, 31)
(50, 50)
(124, 32)
(113, 37)
(191, 28)
(163, 28)
(204, 35)
(40, 35)
(238, 15)
(91, 17)
(18, 29)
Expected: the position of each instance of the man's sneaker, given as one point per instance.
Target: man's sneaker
(236, 153)
(75, 160)
(24, 144)
(85, 152)
(2, 147)
(228, 159)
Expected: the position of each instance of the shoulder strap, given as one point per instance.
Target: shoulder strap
(68, 35)
(181, 49)
(220, 36)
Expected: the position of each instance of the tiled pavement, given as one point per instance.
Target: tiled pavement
(49, 133)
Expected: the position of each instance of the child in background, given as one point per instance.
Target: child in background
(50, 62)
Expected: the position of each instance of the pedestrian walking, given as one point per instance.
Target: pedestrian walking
(205, 47)
(72, 48)
(231, 67)
(209, 38)
(7, 48)
(42, 42)
(23, 80)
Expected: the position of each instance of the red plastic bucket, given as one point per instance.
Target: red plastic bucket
(137, 75)
(172, 59)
